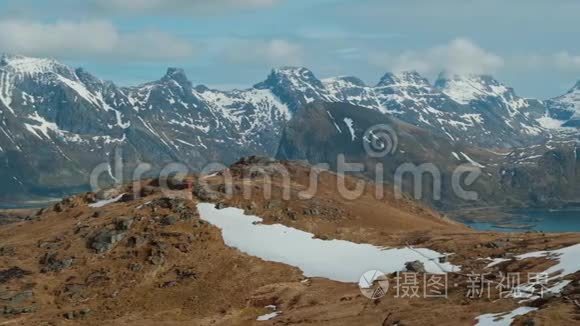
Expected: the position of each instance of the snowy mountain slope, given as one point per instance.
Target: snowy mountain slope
(476, 110)
(296, 87)
(496, 103)
(62, 122)
(57, 124)
(566, 108)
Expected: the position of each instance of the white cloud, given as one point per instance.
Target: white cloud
(567, 61)
(189, 6)
(97, 39)
(460, 56)
(273, 52)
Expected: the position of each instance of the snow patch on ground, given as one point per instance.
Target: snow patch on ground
(103, 203)
(337, 260)
(271, 315)
(503, 319)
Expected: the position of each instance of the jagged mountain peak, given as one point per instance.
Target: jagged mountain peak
(483, 79)
(89, 79)
(470, 87)
(178, 75)
(405, 78)
(201, 88)
(291, 76)
(22, 65)
(345, 80)
(292, 70)
(566, 108)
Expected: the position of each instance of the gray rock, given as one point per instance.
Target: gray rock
(135, 267)
(124, 223)
(311, 211)
(136, 241)
(415, 267)
(51, 263)
(7, 251)
(105, 240)
(495, 245)
(12, 311)
(12, 273)
(77, 314)
(204, 193)
(21, 297)
(169, 220)
(220, 206)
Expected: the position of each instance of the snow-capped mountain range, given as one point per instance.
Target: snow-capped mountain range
(58, 123)
(566, 108)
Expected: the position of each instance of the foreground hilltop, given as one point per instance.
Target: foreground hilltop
(136, 255)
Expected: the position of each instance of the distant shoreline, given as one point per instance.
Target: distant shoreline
(40, 203)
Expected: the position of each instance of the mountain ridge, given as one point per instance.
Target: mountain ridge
(57, 123)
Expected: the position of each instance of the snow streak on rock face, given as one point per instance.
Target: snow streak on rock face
(566, 108)
(337, 260)
(68, 122)
(77, 120)
(473, 109)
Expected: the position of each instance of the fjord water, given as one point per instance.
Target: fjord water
(544, 220)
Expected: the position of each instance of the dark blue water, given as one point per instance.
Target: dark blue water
(28, 204)
(534, 220)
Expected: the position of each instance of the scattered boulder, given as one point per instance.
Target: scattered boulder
(57, 208)
(273, 204)
(169, 220)
(123, 223)
(21, 297)
(108, 193)
(204, 193)
(12, 273)
(135, 267)
(105, 240)
(169, 284)
(415, 267)
(495, 244)
(220, 206)
(77, 314)
(7, 251)
(51, 263)
(136, 241)
(13, 311)
(125, 198)
(76, 292)
(16, 303)
(311, 211)
(157, 254)
(51, 245)
(291, 214)
(184, 274)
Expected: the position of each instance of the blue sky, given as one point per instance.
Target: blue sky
(531, 45)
